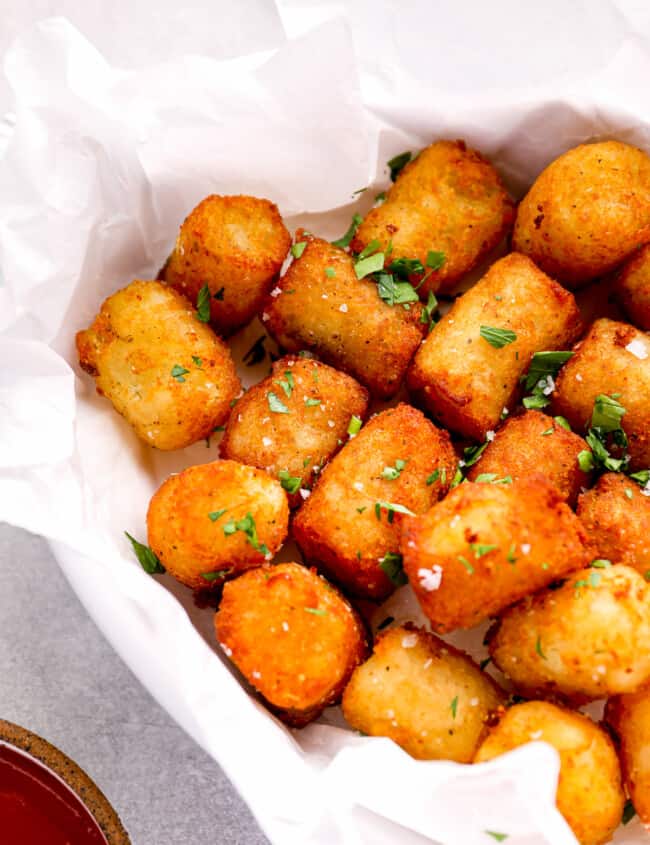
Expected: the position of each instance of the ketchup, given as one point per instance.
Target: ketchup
(37, 808)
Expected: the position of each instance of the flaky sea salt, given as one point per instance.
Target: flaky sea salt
(430, 579)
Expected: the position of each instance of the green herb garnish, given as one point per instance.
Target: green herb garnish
(291, 483)
(203, 304)
(498, 338)
(275, 404)
(398, 163)
(147, 558)
(298, 249)
(179, 372)
(248, 527)
(391, 565)
(346, 239)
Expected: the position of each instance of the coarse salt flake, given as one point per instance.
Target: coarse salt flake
(227, 651)
(343, 308)
(265, 316)
(430, 579)
(409, 641)
(525, 548)
(305, 493)
(285, 626)
(489, 436)
(266, 441)
(638, 348)
(276, 292)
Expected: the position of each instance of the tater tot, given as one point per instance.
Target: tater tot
(166, 373)
(616, 516)
(632, 288)
(589, 793)
(234, 245)
(613, 358)
(586, 212)
(530, 443)
(468, 368)
(216, 520)
(588, 639)
(487, 545)
(629, 716)
(320, 305)
(293, 637)
(349, 526)
(425, 695)
(449, 200)
(291, 423)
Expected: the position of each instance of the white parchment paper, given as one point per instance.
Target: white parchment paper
(100, 166)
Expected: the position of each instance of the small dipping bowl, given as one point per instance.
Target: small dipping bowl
(46, 799)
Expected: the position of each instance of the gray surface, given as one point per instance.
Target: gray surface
(60, 678)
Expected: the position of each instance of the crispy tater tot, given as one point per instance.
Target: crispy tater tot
(616, 516)
(422, 693)
(322, 306)
(588, 639)
(487, 545)
(586, 212)
(448, 200)
(632, 288)
(215, 520)
(349, 526)
(589, 793)
(613, 359)
(530, 443)
(291, 423)
(234, 245)
(293, 637)
(629, 717)
(166, 373)
(468, 368)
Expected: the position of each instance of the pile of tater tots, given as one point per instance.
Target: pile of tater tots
(505, 474)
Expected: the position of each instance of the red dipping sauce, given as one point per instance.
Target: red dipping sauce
(38, 808)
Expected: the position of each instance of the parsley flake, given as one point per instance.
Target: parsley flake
(178, 373)
(291, 483)
(481, 549)
(454, 707)
(146, 557)
(499, 837)
(287, 384)
(330, 272)
(498, 338)
(545, 364)
(392, 508)
(346, 239)
(394, 292)
(491, 478)
(298, 249)
(246, 526)
(203, 304)
(198, 361)
(371, 264)
(601, 563)
(538, 647)
(317, 611)
(433, 477)
(213, 516)
(312, 403)
(397, 163)
(391, 565)
(562, 422)
(391, 473)
(468, 566)
(275, 404)
(435, 260)
(216, 576)
(354, 426)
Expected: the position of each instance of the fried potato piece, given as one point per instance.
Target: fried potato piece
(462, 378)
(586, 212)
(449, 199)
(589, 793)
(297, 442)
(632, 287)
(166, 373)
(320, 305)
(349, 526)
(616, 516)
(234, 245)
(588, 639)
(216, 520)
(613, 358)
(629, 716)
(487, 545)
(530, 443)
(425, 695)
(293, 637)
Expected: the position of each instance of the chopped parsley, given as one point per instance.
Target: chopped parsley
(203, 304)
(481, 549)
(468, 566)
(311, 403)
(601, 563)
(629, 493)
(642, 477)
(178, 373)
(510, 557)
(499, 837)
(435, 475)
(538, 647)
(354, 426)
(391, 473)
(365, 265)
(392, 508)
(287, 384)
(146, 557)
(246, 526)
(491, 478)
(291, 483)
(298, 249)
(562, 422)
(471, 454)
(330, 272)
(391, 565)
(317, 611)
(275, 404)
(381, 196)
(544, 366)
(454, 707)
(256, 353)
(198, 361)
(394, 292)
(429, 314)
(605, 430)
(213, 516)
(498, 338)
(216, 576)
(397, 163)
(345, 240)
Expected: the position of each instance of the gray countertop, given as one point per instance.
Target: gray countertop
(61, 679)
